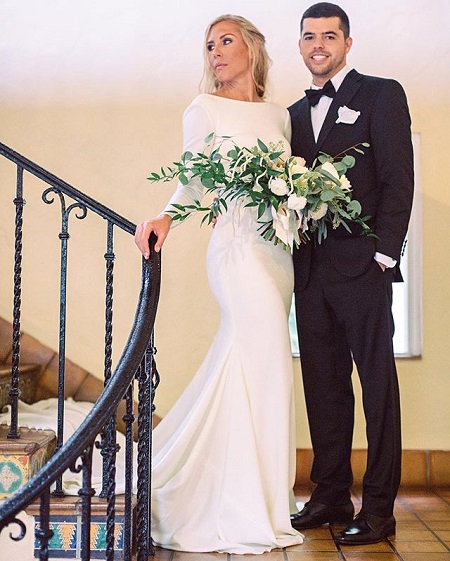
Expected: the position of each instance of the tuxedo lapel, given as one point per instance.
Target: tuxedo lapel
(345, 93)
(308, 141)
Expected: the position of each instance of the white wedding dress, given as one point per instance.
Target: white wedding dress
(224, 456)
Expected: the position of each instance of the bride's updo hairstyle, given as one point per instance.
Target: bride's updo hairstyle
(256, 44)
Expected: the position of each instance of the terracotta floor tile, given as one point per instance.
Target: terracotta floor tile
(403, 535)
(438, 524)
(313, 556)
(317, 545)
(416, 492)
(163, 554)
(421, 547)
(430, 557)
(405, 515)
(381, 547)
(402, 508)
(182, 556)
(321, 533)
(364, 556)
(410, 524)
(434, 515)
(440, 505)
(270, 556)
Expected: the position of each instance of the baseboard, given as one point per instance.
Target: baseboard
(420, 468)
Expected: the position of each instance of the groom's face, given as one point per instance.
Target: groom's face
(323, 47)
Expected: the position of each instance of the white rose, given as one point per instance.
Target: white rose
(298, 165)
(328, 166)
(319, 212)
(298, 161)
(295, 202)
(285, 225)
(278, 186)
(345, 183)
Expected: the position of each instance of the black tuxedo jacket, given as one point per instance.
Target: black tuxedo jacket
(382, 179)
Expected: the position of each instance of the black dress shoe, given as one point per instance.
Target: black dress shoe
(315, 514)
(366, 529)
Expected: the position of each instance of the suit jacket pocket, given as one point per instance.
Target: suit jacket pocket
(351, 256)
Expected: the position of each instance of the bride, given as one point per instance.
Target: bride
(224, 456)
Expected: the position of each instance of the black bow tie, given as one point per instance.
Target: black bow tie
(314, 95)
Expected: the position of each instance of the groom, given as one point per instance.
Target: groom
(343, 287)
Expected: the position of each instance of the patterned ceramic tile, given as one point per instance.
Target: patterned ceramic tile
(66, 540)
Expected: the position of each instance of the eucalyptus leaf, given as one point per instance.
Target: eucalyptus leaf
(262, 146)
(186, 156)
(327, 195)
(354, 206)
(348, 161)
(261, 209)
(208, 182)
(183, 179)
(324, 158)
(346, 226)
(275, 155)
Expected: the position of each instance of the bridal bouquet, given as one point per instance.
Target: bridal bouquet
(292, 200)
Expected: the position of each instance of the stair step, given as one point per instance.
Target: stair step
(21, 458)
(28, 377)
(65, 521)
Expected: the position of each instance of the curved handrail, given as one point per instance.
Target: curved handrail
(66, 188)
(114, 391)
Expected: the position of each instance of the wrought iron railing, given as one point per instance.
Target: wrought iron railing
(137, 363)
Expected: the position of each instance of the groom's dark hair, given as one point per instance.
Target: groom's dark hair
(328, 10)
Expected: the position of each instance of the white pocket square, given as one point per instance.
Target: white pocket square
(347, 116)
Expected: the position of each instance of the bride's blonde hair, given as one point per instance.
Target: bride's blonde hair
(256, 44)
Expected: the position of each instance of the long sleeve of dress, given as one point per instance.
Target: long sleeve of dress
(198, 123)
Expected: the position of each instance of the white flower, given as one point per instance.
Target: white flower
(347, 116)
(319, 212)
(345, 183)
(298, 165)
(328, 166)
(295, 202)
(286, 225)
(278, 186)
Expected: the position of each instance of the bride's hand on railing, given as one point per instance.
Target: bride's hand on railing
(159, 225)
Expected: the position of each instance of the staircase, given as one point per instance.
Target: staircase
(102, 524)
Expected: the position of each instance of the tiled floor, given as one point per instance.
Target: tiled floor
(423, 534)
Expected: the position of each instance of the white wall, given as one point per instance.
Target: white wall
(94, 91)
(112, 51)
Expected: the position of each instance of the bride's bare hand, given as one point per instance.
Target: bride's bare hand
(160, 226)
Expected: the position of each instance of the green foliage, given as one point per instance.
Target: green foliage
(308, 199)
